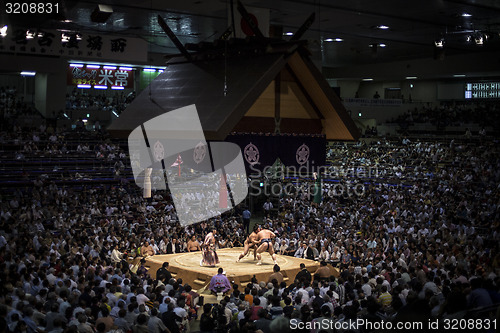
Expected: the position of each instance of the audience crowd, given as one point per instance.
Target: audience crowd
(413, 237)
(81, 99)
(452, 114)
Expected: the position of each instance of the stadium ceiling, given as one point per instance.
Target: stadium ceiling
(344, 33)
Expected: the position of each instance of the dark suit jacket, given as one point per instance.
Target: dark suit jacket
(177, 248)
(305, 274)
(309, 254)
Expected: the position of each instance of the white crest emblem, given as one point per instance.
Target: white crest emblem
(302, 154)
(200, 150)
(251, 153)
(158, 151)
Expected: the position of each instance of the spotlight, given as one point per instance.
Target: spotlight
(78, 36)
(479, 40)
(3, 31)
(468, 38)
(65, 37)
(30, 34)
(439, 43)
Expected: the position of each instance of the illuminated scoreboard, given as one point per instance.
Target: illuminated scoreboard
(482, 90)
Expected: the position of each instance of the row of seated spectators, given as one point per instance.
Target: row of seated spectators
(12, 105)
(81, 99)
(453, 114)
(410, 252)
(64, 155)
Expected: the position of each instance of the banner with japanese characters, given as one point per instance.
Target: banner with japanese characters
(75, 45)
(100, 77)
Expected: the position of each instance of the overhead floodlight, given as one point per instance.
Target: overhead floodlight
(30, 34)
(288, 33)
(3, 31)
(382, 27)
(382, 45)
(466, 15)
(439, 43)
(65, 37)
(479, 40)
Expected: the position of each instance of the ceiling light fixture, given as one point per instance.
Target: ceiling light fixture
(439, 43)
(367, 79)
(458, 75)
(382, 45)
(288, 33)
(329, 40)
(65, 37)
(411, 77)
(26, 73)
(466, 15)
(30, 34)
(382, 27)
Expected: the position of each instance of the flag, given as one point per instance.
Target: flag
(178, 163)
(223, 192)
(260, 16)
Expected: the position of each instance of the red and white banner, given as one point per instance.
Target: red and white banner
(259, 15)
